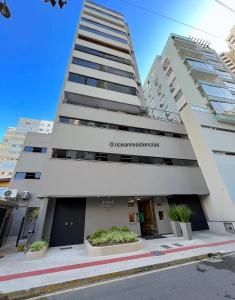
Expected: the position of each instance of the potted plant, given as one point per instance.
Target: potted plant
(185, 214)
(174, 220)
(37, 250)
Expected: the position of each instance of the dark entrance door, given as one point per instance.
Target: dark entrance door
(147, 217)
(198, 219)
(68, 222)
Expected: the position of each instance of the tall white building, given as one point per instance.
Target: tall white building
(106, 160)
(229, 57)
(195, 81)
(13, 141)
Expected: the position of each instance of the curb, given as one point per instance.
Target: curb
(43, 290)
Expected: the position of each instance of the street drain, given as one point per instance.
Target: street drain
(66, 248)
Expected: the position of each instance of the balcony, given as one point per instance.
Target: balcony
(200, 70)
(225, 118)
(80, 94)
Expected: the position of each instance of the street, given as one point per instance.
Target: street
(213, 279)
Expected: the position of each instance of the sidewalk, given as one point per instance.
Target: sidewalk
(63, 265)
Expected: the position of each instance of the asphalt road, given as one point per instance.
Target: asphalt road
(209, 280)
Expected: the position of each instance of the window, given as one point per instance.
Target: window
(102, 12)
(210, 55)
(217, 91)
(102, 54)
(117, 127)
(104, 34)
(126, 158)
(20, 175)
(103, 68)
(28, 175)
(101, 156)
(230, 85)
(103, 26)
(169, 72)
(102, 84)
(222, 107)
(223, 74)
(114, 157)
(178, 95)
(35, 149)
(200, 65)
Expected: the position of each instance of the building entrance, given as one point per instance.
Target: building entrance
(147, 219)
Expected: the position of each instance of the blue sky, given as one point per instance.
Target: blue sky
(36, 43)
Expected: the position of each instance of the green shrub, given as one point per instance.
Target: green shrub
(173, 213)
(184, 212)
(97, 234)
(37, 246)
(116, 235)
(122, 228)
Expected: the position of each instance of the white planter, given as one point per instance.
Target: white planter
(175, 225)
(113, 249)
(187, 230)
(37, 254)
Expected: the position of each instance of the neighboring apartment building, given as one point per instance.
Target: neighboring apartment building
(13, 141)
(195, 80)
(229, 57)
(105, 160)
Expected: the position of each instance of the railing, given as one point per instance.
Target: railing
(147, 112)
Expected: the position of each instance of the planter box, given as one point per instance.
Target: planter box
(113, 249)
(175, 225)
(187, 230)
(37, 254)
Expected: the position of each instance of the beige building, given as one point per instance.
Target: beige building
(13, 140)
(229, 57)
(106, 159)
(196, 82)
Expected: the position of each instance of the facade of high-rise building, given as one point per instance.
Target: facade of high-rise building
(13, 141)
(229, 57)
(194, 79)
(106, 160)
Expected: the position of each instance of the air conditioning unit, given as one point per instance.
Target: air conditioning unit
(25, 195)
(10, 193)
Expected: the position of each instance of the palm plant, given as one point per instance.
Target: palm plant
(173, 213)
(184, 213)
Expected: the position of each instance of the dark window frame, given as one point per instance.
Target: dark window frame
(102, 54)
(102, 68)
(99, 83)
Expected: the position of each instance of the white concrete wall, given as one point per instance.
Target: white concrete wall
(219, 205)
(87, 138)
(79, 178)
(100, 217)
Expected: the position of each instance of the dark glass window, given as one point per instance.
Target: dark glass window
(119, 127)
(114, 157)
(102, 84)
(28, 175)
(103, 26)
(94, 3)
(102, 54)
(103, 13)
(35, 149)
(104, 34)
(20, 175)
(103, 68)
(28, 149)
